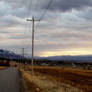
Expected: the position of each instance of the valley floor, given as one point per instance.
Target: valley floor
(57, 79)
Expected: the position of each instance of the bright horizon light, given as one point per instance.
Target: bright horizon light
(66, 53)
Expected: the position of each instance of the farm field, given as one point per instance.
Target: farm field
(58, 78)
(2, 67)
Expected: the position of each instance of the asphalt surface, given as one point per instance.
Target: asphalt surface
(9, 80)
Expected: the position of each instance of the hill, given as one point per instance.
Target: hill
(9, 55)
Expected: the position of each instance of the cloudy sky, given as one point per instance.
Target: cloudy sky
(65, 29)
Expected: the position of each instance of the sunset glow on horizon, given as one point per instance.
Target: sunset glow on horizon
(67, 53)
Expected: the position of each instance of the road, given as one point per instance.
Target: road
(9, 80)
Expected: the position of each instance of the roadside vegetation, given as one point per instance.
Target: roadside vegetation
(57, 79)
(2, 67)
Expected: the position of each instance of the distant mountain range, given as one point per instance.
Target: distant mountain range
(84, 58)
(9, 55)
(12, 55)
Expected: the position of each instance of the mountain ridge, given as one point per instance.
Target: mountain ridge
(12, 55)
(87, 58)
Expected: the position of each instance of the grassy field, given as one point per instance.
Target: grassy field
(2, 67)
(78, 78)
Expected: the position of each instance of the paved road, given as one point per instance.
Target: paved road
(9, 80)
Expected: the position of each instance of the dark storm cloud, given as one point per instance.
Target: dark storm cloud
(60, 5)
(23, 8)
(66, 5)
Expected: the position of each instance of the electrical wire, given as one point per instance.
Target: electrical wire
(30, 11)
(48, 6)
(26, 24)
(36, 7)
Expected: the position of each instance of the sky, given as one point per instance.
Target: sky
(65, 27)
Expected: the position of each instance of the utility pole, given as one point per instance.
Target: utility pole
(23, 49)
(33, 23)
(23, 53)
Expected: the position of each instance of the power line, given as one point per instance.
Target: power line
(30, 8)
(27, 14)
(23, 52)
(36, 5)
(33, 23)
(48, 6)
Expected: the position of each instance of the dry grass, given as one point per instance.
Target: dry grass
(79, 78)
(2, 67)
(31, 86)
(46, 84)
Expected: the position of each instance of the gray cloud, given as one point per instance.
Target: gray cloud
(61, 31)
(66, 5)
(57, 5)
(87, 15)
(73, 36)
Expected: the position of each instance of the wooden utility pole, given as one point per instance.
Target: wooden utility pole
(23, 56)
(23, 52)
(33, 23)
